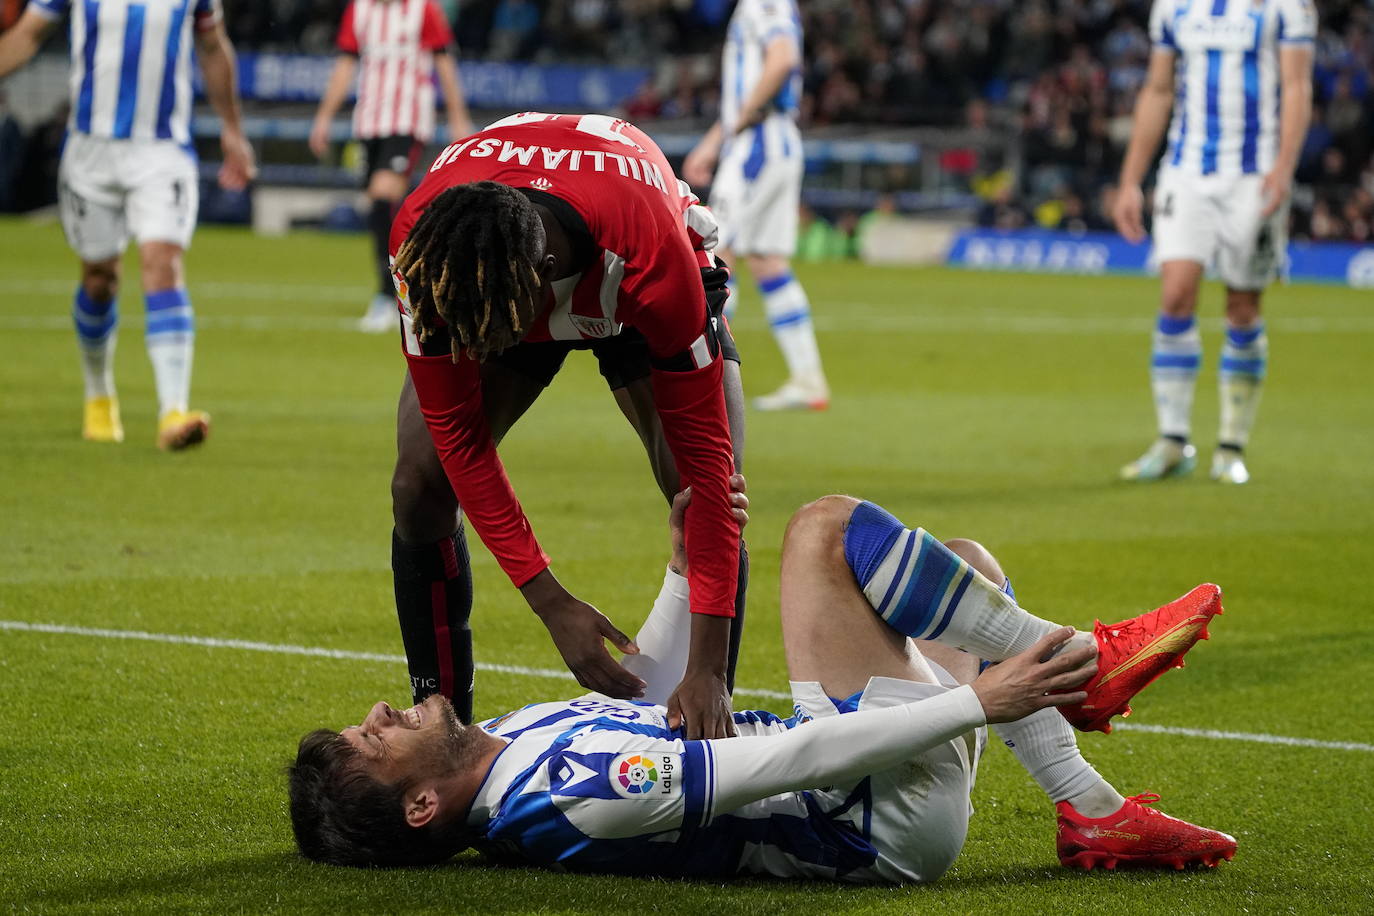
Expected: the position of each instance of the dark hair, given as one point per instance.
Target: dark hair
(342, 816)
(472, 259)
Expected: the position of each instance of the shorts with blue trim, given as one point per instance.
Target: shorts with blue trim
(757, 189)
(109, 190)
(915, 815)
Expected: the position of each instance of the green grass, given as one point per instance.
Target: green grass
(144, 776)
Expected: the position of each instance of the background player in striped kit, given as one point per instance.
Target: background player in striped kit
(757, 184)
(1243, 73)
(399, 46)
(867, 782)
(128, 169)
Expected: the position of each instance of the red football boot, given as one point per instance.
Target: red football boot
(1132, 653)
(1137, 836)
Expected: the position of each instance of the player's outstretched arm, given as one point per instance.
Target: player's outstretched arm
(335, 91)
(1151, 118)
(222, 88)
(24, 39)
(848, 747)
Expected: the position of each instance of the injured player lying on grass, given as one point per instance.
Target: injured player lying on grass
(885, 630)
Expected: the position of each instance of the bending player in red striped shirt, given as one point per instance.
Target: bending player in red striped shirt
(540, 235)
(399, 45)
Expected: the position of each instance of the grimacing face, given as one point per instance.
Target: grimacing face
(402, 745)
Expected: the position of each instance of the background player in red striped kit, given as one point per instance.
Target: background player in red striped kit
(396, 47)
(539, 235)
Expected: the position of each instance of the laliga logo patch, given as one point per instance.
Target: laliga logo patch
(646, 775)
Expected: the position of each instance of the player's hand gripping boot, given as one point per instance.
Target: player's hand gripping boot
(1132, 653)
(1137, 835)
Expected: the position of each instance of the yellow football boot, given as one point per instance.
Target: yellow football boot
(181, 429)
(100, 421)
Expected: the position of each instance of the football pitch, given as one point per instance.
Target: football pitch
(170, 625)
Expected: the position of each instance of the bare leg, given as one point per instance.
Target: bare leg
(830, 632)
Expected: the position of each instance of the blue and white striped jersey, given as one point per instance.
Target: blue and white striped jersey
(131, 64)
(604, 785)
(753, 26)
(1226, 115)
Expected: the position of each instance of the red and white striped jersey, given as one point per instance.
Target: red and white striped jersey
(394, 41)
(652, 239)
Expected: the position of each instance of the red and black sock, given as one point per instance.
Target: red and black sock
(433, 605)
(737, 624)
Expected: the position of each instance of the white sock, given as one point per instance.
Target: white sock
(1244, 362)
(1045, 744)
(96, 326)
(170, 337)
(663, 641)
(789, 314)
(1174, 363)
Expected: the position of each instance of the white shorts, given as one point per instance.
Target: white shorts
(109, 189)
(757, 189)
(1215, 221)
(919, 814)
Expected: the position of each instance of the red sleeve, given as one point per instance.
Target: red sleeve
(690, 402)
(347, 39)
(691, 406)
(451, 401)
(434, 31)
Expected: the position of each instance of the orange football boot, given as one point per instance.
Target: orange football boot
(1132, 653)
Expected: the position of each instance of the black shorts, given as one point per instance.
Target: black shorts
(623, 358)
(395, 154)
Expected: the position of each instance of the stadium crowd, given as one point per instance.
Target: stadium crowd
(1058, 75)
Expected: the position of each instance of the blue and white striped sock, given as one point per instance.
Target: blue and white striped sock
(170, 336)
(1174, 364)
(923, 589)
(1244, 362)
(789, 315)
(96, 325)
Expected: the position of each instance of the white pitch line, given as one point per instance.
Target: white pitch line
(211, 642)
(1243, 736)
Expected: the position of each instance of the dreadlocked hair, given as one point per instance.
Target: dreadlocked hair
(472, 260)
